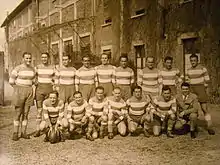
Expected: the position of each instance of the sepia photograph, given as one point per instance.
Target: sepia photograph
(110, 82)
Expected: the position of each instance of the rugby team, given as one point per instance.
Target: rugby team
(96, 100)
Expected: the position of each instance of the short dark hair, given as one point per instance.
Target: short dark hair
(26, 53)
(99, 87)
(165, 88)
(85, 56)
(168, 58)
(116, 87)
(124, 55)
(185, 84)
(46, 54)
(150, 57)
(193, 55)
(77, 92)
(107, 54)
(67, 55)
(137, 87)
(55, 92)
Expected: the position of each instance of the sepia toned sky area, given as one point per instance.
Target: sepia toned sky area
(6, 6)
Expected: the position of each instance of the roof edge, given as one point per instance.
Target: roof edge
(17, 10)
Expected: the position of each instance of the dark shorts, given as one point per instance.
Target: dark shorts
(42, 92)
(66, 93)
(136, 119)
(23, 96)
(200, 91)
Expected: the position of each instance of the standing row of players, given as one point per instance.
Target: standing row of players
(66, 80)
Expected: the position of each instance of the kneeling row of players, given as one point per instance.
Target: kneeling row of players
(102, 115)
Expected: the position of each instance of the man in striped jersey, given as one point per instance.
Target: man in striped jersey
(164, 112)
(22, 78)
(86, 79)
(124, 77)
(53, 111)
(199, 79)
(138, 112)
(44, 85)
(149, 79)
(77, 112)
(170, 76)
(97, 112)
(105, 74)
(116, 113)
(65, 80)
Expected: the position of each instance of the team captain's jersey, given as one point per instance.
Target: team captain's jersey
(51, 111)
(138, 107)
(165, 106)
(105, 74)
(75, 112)
(116, 106)
(86, 76)
(45, 74)
(22, 75)
(198, 75)
(149, 79)
(65, 76)
(124, 76)
(97, 107)
(170, 77)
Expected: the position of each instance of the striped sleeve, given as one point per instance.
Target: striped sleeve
(114, 76)
(206, 76)
(173, 107)
(14, 75)
(132, 76)
(56, 77)
(77, 77)
(160, 79)
(61, 111)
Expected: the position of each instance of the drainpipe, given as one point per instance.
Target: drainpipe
(121, 25)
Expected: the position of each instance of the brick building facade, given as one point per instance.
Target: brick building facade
(137, 27)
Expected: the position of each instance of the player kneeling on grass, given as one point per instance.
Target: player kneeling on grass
(116, 114)
(188, 106)
(53, 110)
(138, 112)
(76, 113)
(164, 112)
(98, 111)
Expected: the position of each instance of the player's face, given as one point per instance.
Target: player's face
(194, 61)
(168, 64)
(150, 63)
(185, 90)
(86, 62)
(44, 59)
(27, 59)
(166, 95)
(104, 59)
(65, 61)
(124, 62)
(117, 94)
(53, 98)
(78, 98)
(137, 93)
(99, 94)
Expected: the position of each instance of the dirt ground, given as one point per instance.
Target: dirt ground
(128, 150)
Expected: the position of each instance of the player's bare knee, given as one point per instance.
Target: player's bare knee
(173, 117)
